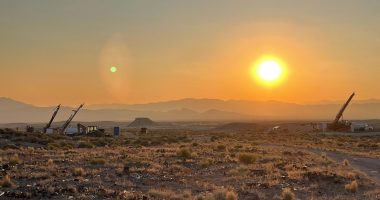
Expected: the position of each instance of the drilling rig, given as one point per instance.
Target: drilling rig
(67, 123)
(341, 125)
(52, 118)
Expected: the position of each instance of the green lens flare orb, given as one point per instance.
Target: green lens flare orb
(113, 69)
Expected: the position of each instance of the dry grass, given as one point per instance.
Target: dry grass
(247, 158)
(231, 195)
(346, 162)
(351, 175)
(184, 152)
(98, 161)
(205, 163)
(79, 172)
(14, 160)
(352, 187)
(50, 162)
(162, 193)
(222, 194)
(221, 147)
(6, 182)
(287, 194)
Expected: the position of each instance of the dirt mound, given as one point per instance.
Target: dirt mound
(142, 122)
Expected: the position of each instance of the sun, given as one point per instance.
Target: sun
(269, 70)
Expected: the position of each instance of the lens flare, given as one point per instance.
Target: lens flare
(113, 69)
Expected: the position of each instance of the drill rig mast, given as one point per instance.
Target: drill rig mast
(52, 118)
(336, 125)
(66, 124)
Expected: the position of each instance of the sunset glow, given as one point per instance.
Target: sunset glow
(216, 53)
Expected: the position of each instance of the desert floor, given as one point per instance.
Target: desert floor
(223, 163)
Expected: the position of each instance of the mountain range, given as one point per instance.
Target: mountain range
(12, 111)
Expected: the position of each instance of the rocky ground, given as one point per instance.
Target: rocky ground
(175, 164)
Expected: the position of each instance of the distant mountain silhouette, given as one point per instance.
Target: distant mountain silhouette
(10, 104)
(359, 109)
(12, 111)
(142, 122)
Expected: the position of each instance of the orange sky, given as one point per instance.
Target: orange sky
(54, 53)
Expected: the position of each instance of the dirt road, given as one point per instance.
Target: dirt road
(369, 166)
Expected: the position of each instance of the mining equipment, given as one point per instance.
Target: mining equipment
(82, 129)
(29, 129)
(52, 118)
(67, 123)
(338, 124)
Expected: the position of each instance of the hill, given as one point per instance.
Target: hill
(12, 111)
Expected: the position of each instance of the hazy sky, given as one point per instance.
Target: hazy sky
(61, 51)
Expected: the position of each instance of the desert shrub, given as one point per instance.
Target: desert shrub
(220, 194)
(221, 147)
(287, 194)
(368, 145)
(85, 144)
(6, 182)
(98, 161)
(100, 142)
(156, 142)
(9, 130)
(14, 160)
(214, 138)
(36, 138)
(66, 145)
(345, 162)
(352, 187)
(184, 152)
(79, 172)
(201, 197)
(51, 190)
(10, 146)
(50, 162)
(57, 136)
(142, 142)
(247, 158)
(171, 140)
(205, 163)
(351, 175)
(161, 193)
(71, 189)
(237, 171)
(53, 146)
(223, 194)
(231, 195)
